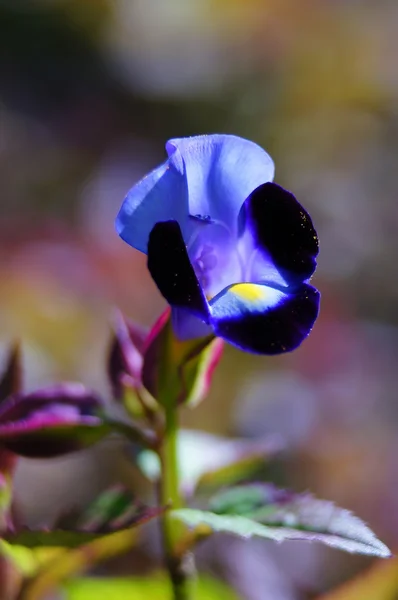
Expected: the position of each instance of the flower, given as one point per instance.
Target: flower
(231, 252)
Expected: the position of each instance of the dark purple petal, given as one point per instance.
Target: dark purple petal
(283, 233)
(171, 269)
(263, 320)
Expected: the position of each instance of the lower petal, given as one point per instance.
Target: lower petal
(277, 237)
(262, 319)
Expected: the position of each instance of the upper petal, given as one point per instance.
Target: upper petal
(277, 237)
(262, 319)
(221, 171)
(205, 177)
(159, 196)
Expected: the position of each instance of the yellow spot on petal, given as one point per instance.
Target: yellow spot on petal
(249, 291)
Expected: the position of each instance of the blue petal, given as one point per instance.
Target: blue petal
(277, 237)
(160, 196)
(205, 178)
(262, 319)
(221, 171)
(187, 326)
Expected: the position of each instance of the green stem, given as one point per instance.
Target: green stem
(180, 567)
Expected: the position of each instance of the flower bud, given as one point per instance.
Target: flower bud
(52, 421)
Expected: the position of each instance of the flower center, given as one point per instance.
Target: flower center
(203, 263)
(214, 256)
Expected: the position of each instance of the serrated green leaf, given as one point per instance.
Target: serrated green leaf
(300, 516)
(344, 531)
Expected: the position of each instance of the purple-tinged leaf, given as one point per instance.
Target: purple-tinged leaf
(52, 421)
(155, 353)
(249, 498)
(125, 355)
(113, 510)
(264, 511)
(178, 371)
(11, 379)
(196, 371)
(123, 514)
(34, 538)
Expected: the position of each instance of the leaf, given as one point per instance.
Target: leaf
(380, 582)
(58, 538)
(71, 562)
(155, 587)
(56, 440)
(259, 499)
(11, 380)
(300, 516)
(250, 459)
(117, 519)
(208, 461)
(115, 509)
(29, 560)
(52, 421)
(176, 371)
(278, 515)
(196, 372)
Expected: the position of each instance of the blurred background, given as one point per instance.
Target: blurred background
(90, 90)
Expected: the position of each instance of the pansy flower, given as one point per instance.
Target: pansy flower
(231, 252)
